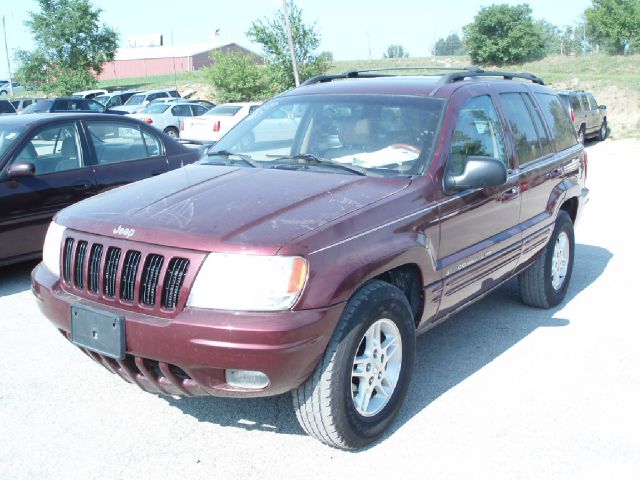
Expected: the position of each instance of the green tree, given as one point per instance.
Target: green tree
(395, 51)
(615, 23)
(72, 45)
(503, 34)
(272, 35)
(452, 45)
(237, 78)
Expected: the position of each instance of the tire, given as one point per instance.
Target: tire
(544, 284)
(581, 136)
(331, 405)
(602, 133)
(172, 132)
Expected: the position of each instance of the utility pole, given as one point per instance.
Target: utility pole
(294, 64)
(6, 49)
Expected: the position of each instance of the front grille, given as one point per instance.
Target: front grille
(138, 276)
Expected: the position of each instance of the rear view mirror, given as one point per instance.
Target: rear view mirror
(22, 169)
(479, 172)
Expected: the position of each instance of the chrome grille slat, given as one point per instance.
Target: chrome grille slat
(150, 277)
(66, 263)
(110, 271)
(173, 282)
(95, 257)
(78, 272)
(129, 271)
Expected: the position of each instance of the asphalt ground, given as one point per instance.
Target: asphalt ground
(501, 391)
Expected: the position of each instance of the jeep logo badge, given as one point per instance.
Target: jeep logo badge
(125, 232)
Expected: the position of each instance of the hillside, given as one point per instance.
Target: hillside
(615, 81)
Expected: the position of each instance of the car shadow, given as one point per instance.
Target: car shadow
(445, 356)
(16, 278)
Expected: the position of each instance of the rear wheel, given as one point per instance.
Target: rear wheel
(361, 382)
(172, 132)
(544, 284)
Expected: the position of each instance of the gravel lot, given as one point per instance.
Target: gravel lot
(501, 391)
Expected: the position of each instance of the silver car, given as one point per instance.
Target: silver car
(589, 118)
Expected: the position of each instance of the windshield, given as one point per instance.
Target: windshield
(155, 108)
(8, 136)
(374, 134)
(135, 100)
(39, 106)
(224, 110)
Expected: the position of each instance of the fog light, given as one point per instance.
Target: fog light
(246, 379)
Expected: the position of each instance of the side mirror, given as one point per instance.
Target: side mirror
(602, 107)
(22, 169)
(479, 172)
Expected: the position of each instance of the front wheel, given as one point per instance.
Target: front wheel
(544, 284)
(361, 382)
(602, 133)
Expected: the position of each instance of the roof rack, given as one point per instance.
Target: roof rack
(458, 74)
(376, 72)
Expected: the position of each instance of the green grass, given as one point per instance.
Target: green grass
(154, 82)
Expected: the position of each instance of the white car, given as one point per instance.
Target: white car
(89, 93)
(169, 117)
(211, 126)
(139, 101)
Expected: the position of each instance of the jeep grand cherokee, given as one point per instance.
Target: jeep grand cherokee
(318, 237)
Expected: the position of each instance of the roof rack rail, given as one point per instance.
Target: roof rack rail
(377, 72)
(457, 76)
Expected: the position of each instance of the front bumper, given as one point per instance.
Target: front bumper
(188, 355)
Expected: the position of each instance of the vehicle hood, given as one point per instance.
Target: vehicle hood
(219, 208)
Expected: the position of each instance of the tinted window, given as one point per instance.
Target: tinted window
(174, 94)
(135, 100)
(53, 149)
(6, 107)
(558, 120)
(478, 133)
(545, 143)
(592, 102)
(95, 106)
(575, 103)
(198, 109)
(181, 111)
(116, 142)
(523, 131)
(41, 106)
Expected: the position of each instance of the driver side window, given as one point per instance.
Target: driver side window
(53, 149)
(478, 133)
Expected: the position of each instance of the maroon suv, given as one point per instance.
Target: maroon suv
(318, 237)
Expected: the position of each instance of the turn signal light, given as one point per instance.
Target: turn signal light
(148, 120)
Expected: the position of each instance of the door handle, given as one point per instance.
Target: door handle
(553, 173)
(81, 186)
(510, 194)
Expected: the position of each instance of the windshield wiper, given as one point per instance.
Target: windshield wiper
(246, 159)
(307, 158)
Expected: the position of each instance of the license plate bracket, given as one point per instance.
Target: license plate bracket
(97, 330)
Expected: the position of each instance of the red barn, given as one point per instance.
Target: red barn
(151, 61)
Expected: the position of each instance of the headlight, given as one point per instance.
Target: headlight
(51, 249)
(248, 282)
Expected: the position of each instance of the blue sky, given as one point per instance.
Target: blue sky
(350, 29)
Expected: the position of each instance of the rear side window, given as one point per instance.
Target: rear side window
(478, 133)
(116, 142)
(523, 130)
(559, 122)
(575, 103)
(592, 102)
